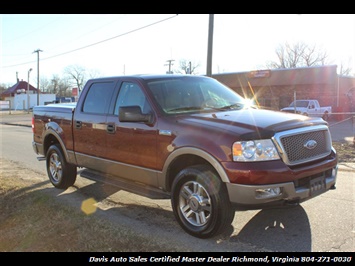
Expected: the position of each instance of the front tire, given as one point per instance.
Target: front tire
(200, 202)
(61, 174)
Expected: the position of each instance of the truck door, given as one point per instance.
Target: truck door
(132, 144)
(312, 108)
(89, 128)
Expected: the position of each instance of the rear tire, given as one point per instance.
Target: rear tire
(61, 174)
(200, 202)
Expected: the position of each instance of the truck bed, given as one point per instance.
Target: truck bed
(57, 118)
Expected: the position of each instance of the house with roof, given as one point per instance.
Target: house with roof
(23, 96)
(19, 88)
(277, 88)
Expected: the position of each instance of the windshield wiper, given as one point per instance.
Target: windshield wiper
(234, 106)
(186, 108)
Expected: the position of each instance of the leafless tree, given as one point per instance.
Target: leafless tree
(303, 55)
(4, 87)
(45, 85)
(55, 84)
(76, 76)
(64, 88)
(93, 73)
(345, 70)
(298, 55)
(187, 67)
(61, 86)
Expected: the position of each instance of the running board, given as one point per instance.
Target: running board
(136, 188)
(41, 158)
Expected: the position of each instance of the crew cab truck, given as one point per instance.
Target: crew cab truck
(189, 139)
(309, 108)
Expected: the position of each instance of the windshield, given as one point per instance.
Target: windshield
(194, 94)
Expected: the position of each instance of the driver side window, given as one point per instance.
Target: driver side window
(132, 95)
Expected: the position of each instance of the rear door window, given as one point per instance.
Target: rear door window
(98, 98)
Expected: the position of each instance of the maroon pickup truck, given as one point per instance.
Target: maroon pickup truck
(189, 139)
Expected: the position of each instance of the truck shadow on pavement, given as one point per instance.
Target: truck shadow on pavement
(283, 230)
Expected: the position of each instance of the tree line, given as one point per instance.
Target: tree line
(288, 56)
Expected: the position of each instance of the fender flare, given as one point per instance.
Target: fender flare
(200, 153)
(50, 131)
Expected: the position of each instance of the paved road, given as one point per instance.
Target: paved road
(16, 118)
(343, 130)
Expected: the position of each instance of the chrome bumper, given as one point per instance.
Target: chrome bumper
(281, 193)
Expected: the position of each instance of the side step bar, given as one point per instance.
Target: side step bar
(136, 188)
(41, 158)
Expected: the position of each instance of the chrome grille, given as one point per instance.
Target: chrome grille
(304, 144)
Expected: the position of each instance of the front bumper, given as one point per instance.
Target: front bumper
(262, 196)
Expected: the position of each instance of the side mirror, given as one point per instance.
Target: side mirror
(134, 114)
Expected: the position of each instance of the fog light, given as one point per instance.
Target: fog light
(266, 193)
(334, 171)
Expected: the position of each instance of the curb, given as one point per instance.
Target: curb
(14, 124)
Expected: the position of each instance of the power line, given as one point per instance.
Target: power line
(93, 44)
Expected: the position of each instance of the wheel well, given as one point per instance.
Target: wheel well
(180, 163)
(49, 141)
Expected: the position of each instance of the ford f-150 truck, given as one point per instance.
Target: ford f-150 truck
(189, 139)
(309, 108)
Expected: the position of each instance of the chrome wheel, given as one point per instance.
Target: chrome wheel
(61, 173)
(55, 167)
(195, 203)
(200, 201)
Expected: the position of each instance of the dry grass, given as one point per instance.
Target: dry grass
(345, 151)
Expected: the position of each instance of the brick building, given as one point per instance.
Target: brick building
(277, 88)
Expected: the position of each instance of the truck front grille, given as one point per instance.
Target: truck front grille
(304, 144)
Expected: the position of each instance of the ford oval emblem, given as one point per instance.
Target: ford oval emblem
(310, 144)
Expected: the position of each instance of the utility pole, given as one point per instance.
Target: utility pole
(38, 90)
(209, 48)
(170, 64)
(28, 90)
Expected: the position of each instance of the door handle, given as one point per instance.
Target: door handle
(111, 128)
(78, 124)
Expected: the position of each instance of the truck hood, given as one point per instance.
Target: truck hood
(251, 123)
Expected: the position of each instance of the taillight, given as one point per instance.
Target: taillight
(33, 124)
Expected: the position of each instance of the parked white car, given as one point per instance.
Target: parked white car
(308, 108)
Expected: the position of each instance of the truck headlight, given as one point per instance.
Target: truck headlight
(254, 150)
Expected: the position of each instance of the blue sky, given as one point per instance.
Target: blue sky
(123, 44)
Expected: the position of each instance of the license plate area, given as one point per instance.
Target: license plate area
(317, 186)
